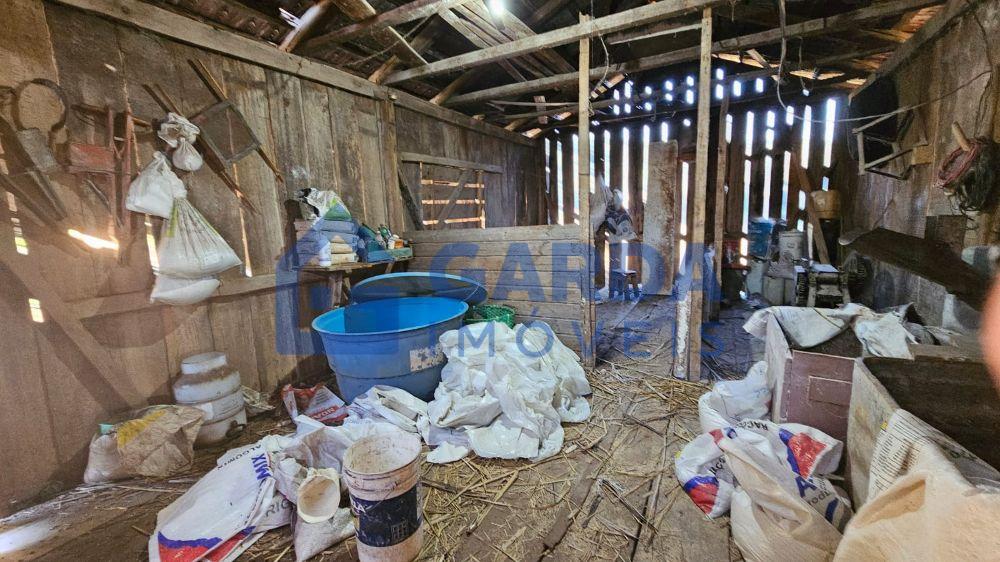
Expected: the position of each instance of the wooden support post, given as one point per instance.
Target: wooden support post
(719, 218)
(697, 293)
(586, 235)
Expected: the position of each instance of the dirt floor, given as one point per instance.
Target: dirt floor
(610, 494)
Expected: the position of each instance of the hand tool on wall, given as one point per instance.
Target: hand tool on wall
(27, 155)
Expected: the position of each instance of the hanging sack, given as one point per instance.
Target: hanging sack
(153, 191)
(175, 128)
(182, 292)
(185, 157)
(190, 248)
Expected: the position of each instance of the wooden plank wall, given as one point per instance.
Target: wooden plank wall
(511, 196)
(787, 137)
(320, 137)
(935, 76)
(534, 269)
(633, 183)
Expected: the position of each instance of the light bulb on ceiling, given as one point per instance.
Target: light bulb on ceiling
(497, 7)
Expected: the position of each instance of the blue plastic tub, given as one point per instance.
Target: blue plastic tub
(390, 341)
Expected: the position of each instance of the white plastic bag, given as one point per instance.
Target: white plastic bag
(446, 453)
(175, 128)
(763, 536)
(190, 248)
(794, 513)
(153, 191)
(388, 404)
(182, 292)
(309, 539)
(318, 402)
(508, 390)
(946, 506)
(185, 157)
(793, 455)
(701, 469)
(732, 401)
(223, 513)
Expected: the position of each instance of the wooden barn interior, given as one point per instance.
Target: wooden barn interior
(756, 240)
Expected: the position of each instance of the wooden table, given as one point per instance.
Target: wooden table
(336, 278)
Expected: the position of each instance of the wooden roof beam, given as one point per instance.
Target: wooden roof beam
(307, 22)
(648, 32)
(932, 29)
(537, 15)
(480, 39)
(817, 26)
(418, 9)
(489, 35)
(608, 24)
(359, 10)
(420, 42)
(513, 29)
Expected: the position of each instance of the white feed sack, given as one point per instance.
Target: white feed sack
(882, 334)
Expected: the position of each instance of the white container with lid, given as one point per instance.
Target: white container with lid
(208, 383)
(220, 430)
(205, 377)
(219, 408)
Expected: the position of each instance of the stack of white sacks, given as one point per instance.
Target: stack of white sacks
(190, 253)
(771, 478)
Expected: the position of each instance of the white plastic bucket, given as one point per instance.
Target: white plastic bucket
(382, 474)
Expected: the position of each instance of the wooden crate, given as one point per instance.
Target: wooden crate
(955, 397)
(811, 387)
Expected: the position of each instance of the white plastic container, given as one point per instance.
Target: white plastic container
(209, 384)
(220, 430)
(205, 377)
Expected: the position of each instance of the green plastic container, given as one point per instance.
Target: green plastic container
(491, 313)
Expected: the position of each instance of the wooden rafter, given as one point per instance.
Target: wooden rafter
(515, 29)
(658, 29)
(812, 27)
(953, 9)
(306, 24)
(359, 10)
(498, 34)
(480, 40)
(418, 9)
(420, 42)
(537, 15)
(608, 24)
(238, 16)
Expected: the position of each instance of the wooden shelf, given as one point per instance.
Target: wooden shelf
(352, 266)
